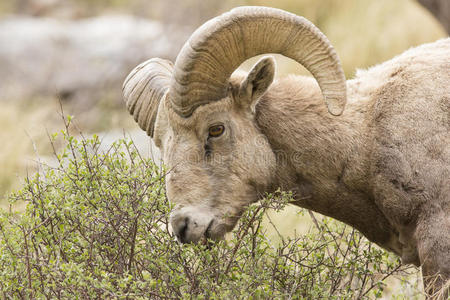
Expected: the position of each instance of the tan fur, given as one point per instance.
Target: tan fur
(382, 167)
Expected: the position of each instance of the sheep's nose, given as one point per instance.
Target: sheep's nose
(190, 224)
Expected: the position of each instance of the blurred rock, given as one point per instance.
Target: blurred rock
(54, 8)
(85, 60)
(141, 143)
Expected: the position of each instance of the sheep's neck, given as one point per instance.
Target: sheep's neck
(321, 158)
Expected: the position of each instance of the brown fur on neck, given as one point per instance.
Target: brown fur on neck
(320, 157)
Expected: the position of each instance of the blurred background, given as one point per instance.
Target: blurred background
(78, 52)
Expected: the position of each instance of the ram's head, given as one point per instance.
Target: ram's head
(203, 119)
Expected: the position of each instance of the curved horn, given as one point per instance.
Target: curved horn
(219, 46)
(143, 90)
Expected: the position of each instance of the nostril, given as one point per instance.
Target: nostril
(183, 229)
(190, 224)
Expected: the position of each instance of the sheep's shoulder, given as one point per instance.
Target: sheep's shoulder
(410, 127)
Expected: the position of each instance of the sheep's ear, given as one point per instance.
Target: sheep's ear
(257, 82)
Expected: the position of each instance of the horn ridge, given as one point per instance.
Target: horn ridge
(220, 45)
(143, 90)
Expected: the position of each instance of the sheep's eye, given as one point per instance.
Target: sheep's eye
(216, 130)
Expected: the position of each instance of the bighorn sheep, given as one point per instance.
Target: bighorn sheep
(381, 165)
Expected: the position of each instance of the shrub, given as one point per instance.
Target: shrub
(96, 226)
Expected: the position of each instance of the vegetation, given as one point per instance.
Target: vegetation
(63, 205)
(96, 226)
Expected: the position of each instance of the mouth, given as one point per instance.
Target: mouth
(206, 239)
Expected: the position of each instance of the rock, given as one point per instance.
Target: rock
(85, 60)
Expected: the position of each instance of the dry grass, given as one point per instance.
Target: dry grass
(20, 125)
(24, 129)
